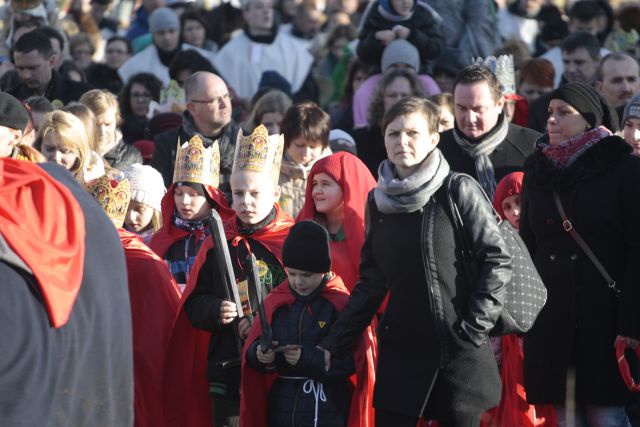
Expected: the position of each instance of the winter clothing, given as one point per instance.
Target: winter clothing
(60, 90)
(632, 109)
(307, 248)
(510, 185)
(164, 18)
(593, 107)
(123, 155)
(101, 76)
(164, 157)
(400, 51)
(370, 147)
(147, 186)
(578, 325)
(434, 359)
(12, 114)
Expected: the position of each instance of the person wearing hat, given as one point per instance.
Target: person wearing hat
(164, 26)
(631, 124)
(595, 177)
(144, 215)
(14, 119)
(315, 295)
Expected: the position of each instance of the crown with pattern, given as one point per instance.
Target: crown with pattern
(195, 163)
(113, 194)
(259, 153)
(504, 70)
(25, 4)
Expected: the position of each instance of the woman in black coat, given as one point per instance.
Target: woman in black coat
(434, 360)
(597, 180)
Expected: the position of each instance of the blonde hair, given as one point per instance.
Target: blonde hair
(100, 102)
(72, 135)
(156, 221)
(87, 118)
(274, 101)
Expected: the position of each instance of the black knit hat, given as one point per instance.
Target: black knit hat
(589, 103)
(12, 113)
(306, 248)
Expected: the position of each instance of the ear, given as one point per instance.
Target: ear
(435, 138)
(598, 86)
(276, 193)
(500, 102)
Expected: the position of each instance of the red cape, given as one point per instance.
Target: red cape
(43, 224)
(356, 181)
(169, 234)
(255, 385)
(155, 298)
(185, 393)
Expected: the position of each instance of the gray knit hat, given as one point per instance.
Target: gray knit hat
(147, 185)
(400, 51)
(164, 19)
(632, 109)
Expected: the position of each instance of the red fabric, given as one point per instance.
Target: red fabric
(356, 181)
(44, 225)
(510, 185)
(514, 409)
(623, 365)
(169, 234)
(521, 112)
(155, 298)
(185, 392)
(255, 385)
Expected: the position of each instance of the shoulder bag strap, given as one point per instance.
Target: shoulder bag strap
(568, 227)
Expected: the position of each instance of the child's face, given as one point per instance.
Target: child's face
(327, 195)
(253, 196)
(304, 282)
(511, 209)
(631, 132)
(190, 203)
(138, 217)
(402, 7)
(304, 152)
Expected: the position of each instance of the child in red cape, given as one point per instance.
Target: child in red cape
(300, 312)
(514, 409)
(154, 298)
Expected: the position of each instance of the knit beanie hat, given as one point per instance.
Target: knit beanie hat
(400, 51)
(306, 248)
(163, 19)
(589, 103)
(147, 185)
(12, 113)
(632, 109)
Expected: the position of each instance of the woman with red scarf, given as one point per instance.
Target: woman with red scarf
(336, 196)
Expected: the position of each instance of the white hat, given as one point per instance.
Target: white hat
(147, 185)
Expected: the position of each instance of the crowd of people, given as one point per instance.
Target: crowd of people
(292, 213)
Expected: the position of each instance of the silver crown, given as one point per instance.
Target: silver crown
(503, 69)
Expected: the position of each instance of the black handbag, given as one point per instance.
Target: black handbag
(526, 294)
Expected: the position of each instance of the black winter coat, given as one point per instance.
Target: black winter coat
(425, 35)
(506, 158)
(123, 155)
(582, 317)
(59, 89)
(434, 357)
(305, 323)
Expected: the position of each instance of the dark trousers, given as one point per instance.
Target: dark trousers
(390, 419)
(226, 412)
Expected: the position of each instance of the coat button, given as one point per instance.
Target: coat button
(552, 257)
(573, 257)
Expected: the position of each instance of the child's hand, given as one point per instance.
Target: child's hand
(385, 36)
(243, 328)
(228, 312)
(292, 355)
(268, 357)
(401, 31)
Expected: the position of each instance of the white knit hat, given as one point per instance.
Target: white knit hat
(147, 185)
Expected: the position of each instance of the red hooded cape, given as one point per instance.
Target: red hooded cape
(255, 385)
(185, 392)
(510, 185)
(43, 224)
(155, 298)
(169, 234)
(356, 181)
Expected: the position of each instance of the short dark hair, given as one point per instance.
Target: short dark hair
(150, 83)
(193, 15)
(306, 120)
(120, 39)
(477, 74)
(613, 56)
(34, 40)
(585, 10)
(410, 105)
(52, 33)
(188, 60)
(582, 39)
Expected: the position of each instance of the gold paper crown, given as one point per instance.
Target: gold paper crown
(194, 163)
(25, 4)
(259, 152)
(113, 195)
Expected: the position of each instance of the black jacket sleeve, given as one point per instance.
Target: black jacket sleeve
(311, 364)
(203, 305)
(162, 159)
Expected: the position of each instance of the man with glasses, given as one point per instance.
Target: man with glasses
(208, 115)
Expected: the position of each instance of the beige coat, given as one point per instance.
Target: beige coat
(293, 183)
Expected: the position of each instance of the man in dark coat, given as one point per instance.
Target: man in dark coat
(66, 354)
(34, 60)
(208, 115)
(483, 143)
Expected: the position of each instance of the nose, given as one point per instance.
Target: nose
(626, 87)
(636, 134)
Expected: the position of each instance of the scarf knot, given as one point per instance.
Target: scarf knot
(565, 153)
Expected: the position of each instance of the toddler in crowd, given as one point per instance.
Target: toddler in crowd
(144, 215)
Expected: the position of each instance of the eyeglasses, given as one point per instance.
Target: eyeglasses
(139, 95)
(216, 100)
(116, 51)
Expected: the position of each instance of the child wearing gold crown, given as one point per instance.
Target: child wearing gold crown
(154, 298)
(259, 226)
(186, 207)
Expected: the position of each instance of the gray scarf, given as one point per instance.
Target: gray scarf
(405, 195)
(480, 151)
